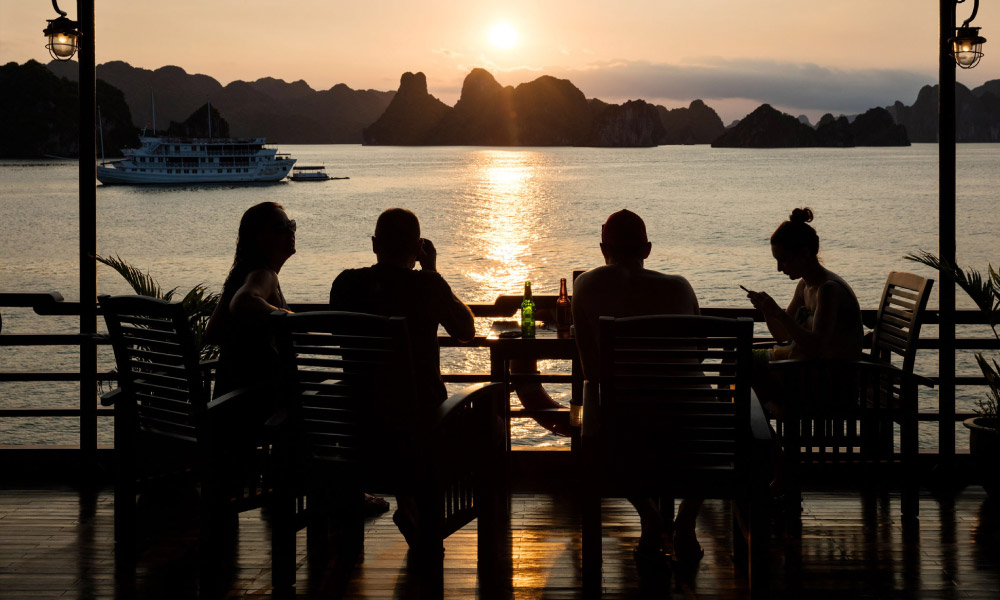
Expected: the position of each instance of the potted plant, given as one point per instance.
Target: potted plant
(984, 429)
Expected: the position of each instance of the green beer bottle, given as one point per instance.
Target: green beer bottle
(527, 313)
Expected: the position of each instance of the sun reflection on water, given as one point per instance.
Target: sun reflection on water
(507, 200)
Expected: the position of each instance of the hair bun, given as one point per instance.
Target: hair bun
(801, 215)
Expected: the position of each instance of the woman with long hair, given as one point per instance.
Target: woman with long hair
(251, 292)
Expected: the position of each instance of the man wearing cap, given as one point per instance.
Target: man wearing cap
(624, 288)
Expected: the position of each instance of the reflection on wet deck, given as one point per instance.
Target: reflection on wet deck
(58, 542)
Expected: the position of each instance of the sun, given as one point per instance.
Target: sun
(503, 36)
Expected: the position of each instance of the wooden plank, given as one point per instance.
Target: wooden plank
(58, 542)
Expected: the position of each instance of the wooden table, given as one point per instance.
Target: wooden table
(547, 344)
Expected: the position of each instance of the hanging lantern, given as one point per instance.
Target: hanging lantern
(967, 47)
(63, 36)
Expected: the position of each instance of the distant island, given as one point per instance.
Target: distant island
(769, 128)
(543, 112)
(40, 119)
(286, 113)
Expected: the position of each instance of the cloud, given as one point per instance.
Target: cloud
(447, 53)
(805, 86)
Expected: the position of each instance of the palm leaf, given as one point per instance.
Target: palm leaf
(198, 302)
(985, 292)
(142, 283)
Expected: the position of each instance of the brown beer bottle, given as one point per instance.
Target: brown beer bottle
(564, 312)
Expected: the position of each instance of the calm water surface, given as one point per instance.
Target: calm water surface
(498, 217)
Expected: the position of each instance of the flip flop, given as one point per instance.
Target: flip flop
(375, 506)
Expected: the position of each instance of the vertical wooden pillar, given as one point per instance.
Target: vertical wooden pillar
(88, 234)
(946, 235)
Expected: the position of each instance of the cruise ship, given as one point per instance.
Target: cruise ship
(161, 160)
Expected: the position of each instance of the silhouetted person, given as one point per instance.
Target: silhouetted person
(823, 319)
(624, 288)
(248, 356)
(391, 287)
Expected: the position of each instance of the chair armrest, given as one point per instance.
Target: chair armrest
(232, 406)
(464, 397)
(109, 398)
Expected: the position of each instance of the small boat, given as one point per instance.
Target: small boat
(309, 174)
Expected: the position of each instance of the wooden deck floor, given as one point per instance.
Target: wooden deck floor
(57, 542)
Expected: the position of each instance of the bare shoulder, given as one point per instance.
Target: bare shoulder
(262, 277)
(836, 286)
(261, 282)
(596, 278)
(674, 283)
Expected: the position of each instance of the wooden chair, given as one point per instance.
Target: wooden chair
(844, 414)
(167, 426)
(676, 419)
(353, 424)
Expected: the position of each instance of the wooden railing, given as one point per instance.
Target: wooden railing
(52, 303)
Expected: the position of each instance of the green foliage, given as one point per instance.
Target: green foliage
(985, 292)
(199, 303)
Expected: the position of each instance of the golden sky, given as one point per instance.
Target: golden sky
(802, 56)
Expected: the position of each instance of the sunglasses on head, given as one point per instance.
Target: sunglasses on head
(286, 225)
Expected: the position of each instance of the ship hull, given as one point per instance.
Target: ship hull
(115, 176)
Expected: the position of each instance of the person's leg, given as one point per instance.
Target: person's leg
(650, 522)
(405, 517)
(686, 546)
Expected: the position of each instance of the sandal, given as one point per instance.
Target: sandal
(374, 506)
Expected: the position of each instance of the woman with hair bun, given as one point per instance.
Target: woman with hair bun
(823, 319)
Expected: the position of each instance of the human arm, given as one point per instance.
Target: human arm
(779, 322)
(456, 317)
(812, 341)
(585, 328)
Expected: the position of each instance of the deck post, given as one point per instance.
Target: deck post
(88, 235)
(946, 236)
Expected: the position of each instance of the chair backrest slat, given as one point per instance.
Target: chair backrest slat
(900, 314)
(158, 363)
(348, 379)
(675, 390)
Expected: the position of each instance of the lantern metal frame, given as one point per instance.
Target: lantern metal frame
(967, 42)
(65, 27)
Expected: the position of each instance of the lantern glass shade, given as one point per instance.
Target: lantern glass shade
(63, 38)
(62, 46)
(967, 47)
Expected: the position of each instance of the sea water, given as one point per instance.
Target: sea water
(498, 217)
